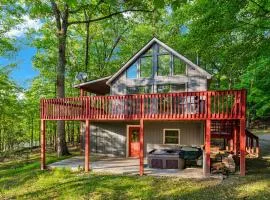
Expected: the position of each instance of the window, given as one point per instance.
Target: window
(163, 88)
(171, 136)
(179, 67)
(167, 64)
(164, 65)
(178, 87)
(139, 90)
(161, 50)
(164, 62)
(132, 71)
(146, 67)
(149, 52)
(171, 88)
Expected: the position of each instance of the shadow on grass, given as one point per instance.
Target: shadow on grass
(16, 173)
(26, 181)
(98, 186)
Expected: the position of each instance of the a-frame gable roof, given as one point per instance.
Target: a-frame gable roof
(146, 47)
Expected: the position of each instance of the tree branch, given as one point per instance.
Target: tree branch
(118, 39)
(83, 7)
(260, 6)
(57, 14)
(254, 25)
(108, 16)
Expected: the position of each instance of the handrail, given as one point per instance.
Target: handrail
(229, 104)
(252, 143)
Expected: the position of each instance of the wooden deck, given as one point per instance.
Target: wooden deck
(208, 106)
(229, 104)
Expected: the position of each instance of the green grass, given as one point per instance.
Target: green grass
(23, 180)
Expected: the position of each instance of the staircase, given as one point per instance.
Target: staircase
(252, 145)
(225, 129)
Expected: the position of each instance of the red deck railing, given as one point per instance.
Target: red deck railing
(252, 144)
(229, 104)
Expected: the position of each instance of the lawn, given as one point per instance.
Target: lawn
(23, 180)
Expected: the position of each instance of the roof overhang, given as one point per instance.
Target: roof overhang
(97, 86)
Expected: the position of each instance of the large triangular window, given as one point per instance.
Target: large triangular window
(156, 61)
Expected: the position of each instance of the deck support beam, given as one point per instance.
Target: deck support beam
(43, 145)
(207, 149)
(141, 147)
(242, 147)
(87, 145)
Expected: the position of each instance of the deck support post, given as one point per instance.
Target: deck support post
(235, 142)
(87, 144)
(43, 145)
(141, 147)
(231, 144)
(242, 147)
(206, 163)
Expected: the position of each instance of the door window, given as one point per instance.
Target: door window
(134, 136)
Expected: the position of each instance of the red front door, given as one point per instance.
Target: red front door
(134, 141)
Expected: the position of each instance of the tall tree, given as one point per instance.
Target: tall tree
(71, 13)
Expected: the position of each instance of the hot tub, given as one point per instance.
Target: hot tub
(173, 158)
(165, 159)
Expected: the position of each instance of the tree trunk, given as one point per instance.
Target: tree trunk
(62, 25)
(32, 133)
(60, 83)
(87, 25)
(55, 137)
(72, 133)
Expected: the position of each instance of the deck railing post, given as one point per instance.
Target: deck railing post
(242, 147)
(87, 145)
(142, 106)
(257, 147)
(207, 149)
(141, 147)
(43, 145)
(209, 105)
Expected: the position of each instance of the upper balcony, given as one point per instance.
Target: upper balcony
(229, 104)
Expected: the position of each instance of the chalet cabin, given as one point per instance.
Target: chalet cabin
(158, 99)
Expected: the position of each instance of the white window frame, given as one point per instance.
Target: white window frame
(168, 129)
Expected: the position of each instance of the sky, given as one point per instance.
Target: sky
(24, 72)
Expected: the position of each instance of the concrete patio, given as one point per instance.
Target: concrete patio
(125, 166)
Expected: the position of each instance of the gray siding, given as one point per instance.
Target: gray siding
(191, 133)
(193, 79)
(110, 137)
